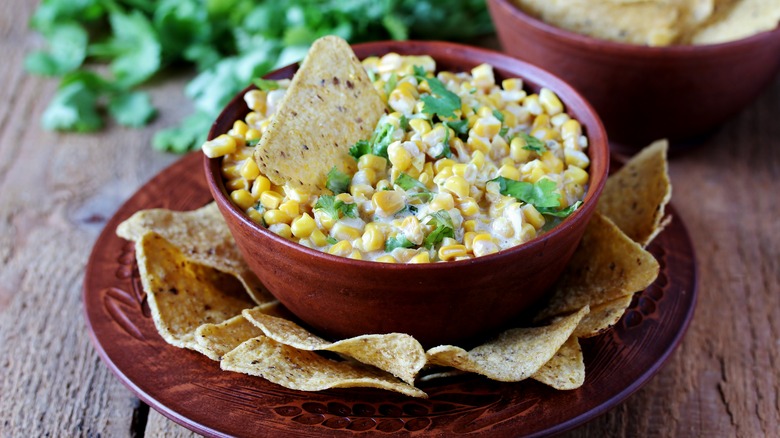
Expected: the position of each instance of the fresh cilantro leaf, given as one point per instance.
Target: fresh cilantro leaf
(131, 108)
(332, 240)
(444, 228)
(403, 122)
(540, 194)
(335, 207)
(265, 84)
(407, 183)
(187, 136)
(338, 181)
(381, 139)
(253, 142)
(371, 75)
(359, 149)
(445, 146)
(461, 127)
(391, 83)
(533, 143)
(497, 114)
(443, 102)
(399, 241)
(502, 132)
(73, 108)
(67, 51)
(396, 27)
(560, 213)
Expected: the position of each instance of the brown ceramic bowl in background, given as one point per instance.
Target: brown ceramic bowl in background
(438, 302)
(646, 93)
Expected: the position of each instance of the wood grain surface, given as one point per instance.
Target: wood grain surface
(57, 191)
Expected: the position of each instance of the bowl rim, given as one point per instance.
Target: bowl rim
(635, 50)
(597, 141)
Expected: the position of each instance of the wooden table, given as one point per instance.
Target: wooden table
(57, 191)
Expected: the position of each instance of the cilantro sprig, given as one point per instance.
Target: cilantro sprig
(532, 143)
(541, 195)
(338, 181)
(398, 241)
(442, 222)
(442, 102)
(335, 208)
(408, 183)
(377, 145)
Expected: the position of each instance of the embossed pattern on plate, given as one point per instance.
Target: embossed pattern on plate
(192, 390)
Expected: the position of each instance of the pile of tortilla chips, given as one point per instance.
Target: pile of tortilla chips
(659, 22)
(203, 297)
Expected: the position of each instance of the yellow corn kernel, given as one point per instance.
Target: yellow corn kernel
(509, 172)
(517, 150)
(478, 159)
(449, 252)
(527, 233)
(261, 184)
(457, 185)
(403, 98)
(442, 201)
(550, 102)
(249, 169)
(544, 134)
(532, 216)
(237, 184)
(483, 76)
(253, 119)
(487, 127)
(476, 143)
(576, 158)
(345, 198)
(470, 225)
(318, 238)
(512, 84)
(498, 148)
(532, 105)
(373, 238)
(559, 119)
(290, 207)
(299, 195)
(355, 255)
(541, 121)
(370, 161)
(483, 244)
(460, 169)
(342, 248)
(552, 162)
(422, 257)
(383, 184)
(389, 201)
(270, 199)
(443, 175)
(220, 146)
(468, 239)
(571, 129)
(303, 226)
(242, 198)
(420, 126)
(324, 219)
(256, 100)
(576, 175)
(281, 229)
(256, 216)
(276, 217)
(343, 231)
(252, 134)
(399, 156)
(361, 190)
(442, 163)
(507, 161)
(240, 128)
(386, 259)
(468, 207)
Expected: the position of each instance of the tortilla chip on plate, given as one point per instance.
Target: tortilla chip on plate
(566, 370)
(330, 105)
(306, 370)
(182, 294)
(202, 236)
(397, 353)
(635, 196)
(606, 266)
(514, 355)
(602, 317)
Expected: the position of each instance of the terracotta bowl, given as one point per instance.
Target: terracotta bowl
(645, 93)
(439, 302)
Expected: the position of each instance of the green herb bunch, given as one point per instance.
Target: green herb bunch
(229, 42)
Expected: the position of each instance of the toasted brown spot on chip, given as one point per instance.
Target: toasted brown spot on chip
(602, 317)
(635, 196)
(566, 370)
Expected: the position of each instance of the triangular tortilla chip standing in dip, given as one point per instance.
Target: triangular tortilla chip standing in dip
(330, 105)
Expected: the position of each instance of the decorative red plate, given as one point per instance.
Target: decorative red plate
(191, 390)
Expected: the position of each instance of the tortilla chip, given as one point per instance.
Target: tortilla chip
(397, 353)
(635, 196)
(514, 355)
(606, 266)
(330, 105)
(183, 294)
(740, 19)
(216, 340)
(602, 317)
(306, 370)
(566, 370)
(202, 236)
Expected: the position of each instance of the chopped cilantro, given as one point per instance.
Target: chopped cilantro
(403, 123)
(131, 108)
(444, 228)
(502, 132)
(498, 115)
(381, 139)
(360, 148)
(461, 127)
(253, 142)
(332, 240)
(265, 84)
(445, 149)
(445, 102)
(391, 83)
(399, 241)
(371, 75)
(533, 143)
(335, 207)
(407, 183)
(540, 194)
(338, 181)
(560, 213)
